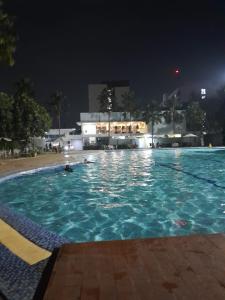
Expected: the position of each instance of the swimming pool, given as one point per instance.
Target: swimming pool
(126, 194)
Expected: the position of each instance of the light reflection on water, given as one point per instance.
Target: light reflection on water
(126, 194)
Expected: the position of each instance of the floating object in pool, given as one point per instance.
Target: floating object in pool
(181, 223)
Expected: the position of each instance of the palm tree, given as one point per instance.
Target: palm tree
(107, 101)
(129, 105)
(152, 115)
(171, 114)
(56, 103)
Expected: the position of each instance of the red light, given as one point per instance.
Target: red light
(177, 71)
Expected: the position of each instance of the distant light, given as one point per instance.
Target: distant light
(176, 135)
(203, 93)
(177, 71)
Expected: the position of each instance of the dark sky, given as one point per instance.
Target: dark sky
(67, 44)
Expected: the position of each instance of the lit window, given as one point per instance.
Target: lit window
(203, 91)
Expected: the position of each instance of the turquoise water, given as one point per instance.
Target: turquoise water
(126, 194)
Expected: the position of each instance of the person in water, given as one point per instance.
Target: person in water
(87, 161)
(68, 168)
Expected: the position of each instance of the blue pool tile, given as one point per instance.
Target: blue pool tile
(18, 280)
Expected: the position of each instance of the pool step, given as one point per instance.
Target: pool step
(21, 246)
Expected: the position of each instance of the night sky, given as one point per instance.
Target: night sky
(67, 44)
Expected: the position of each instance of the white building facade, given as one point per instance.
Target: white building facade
(114, 128)
(68, 139)
(117, 128)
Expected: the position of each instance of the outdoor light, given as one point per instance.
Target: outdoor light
(203, 93)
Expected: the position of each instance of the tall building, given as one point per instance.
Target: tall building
(94, 90)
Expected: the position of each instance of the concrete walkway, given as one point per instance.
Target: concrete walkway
(10, 166)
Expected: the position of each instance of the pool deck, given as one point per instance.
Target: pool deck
(10, 166)
(158, 268)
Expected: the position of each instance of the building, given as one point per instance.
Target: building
(94, 90)
(68, 139)
(117, 128)
(195, 92)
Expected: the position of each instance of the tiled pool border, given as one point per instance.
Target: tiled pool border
(32, 171)
(18, 280)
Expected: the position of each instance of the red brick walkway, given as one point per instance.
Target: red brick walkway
(163, 268)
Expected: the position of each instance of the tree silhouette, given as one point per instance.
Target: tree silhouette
(7, 38)
(57, 99)
(129, 105)
(172, 115)
(152, 115)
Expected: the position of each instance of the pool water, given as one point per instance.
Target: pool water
(126, 194)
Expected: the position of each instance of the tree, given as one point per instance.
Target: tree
(195, 117)
(21, 114)
(40, 119)
(6, 117)
(7, 38)
(172, 115)
(24, 87)
(57, 99)
(29, 118)
(152, 115)
(129, 105)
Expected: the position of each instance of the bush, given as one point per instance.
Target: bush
(124, 146)
(92, 147)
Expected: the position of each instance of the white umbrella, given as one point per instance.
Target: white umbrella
(189, 135)
(5, 139)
